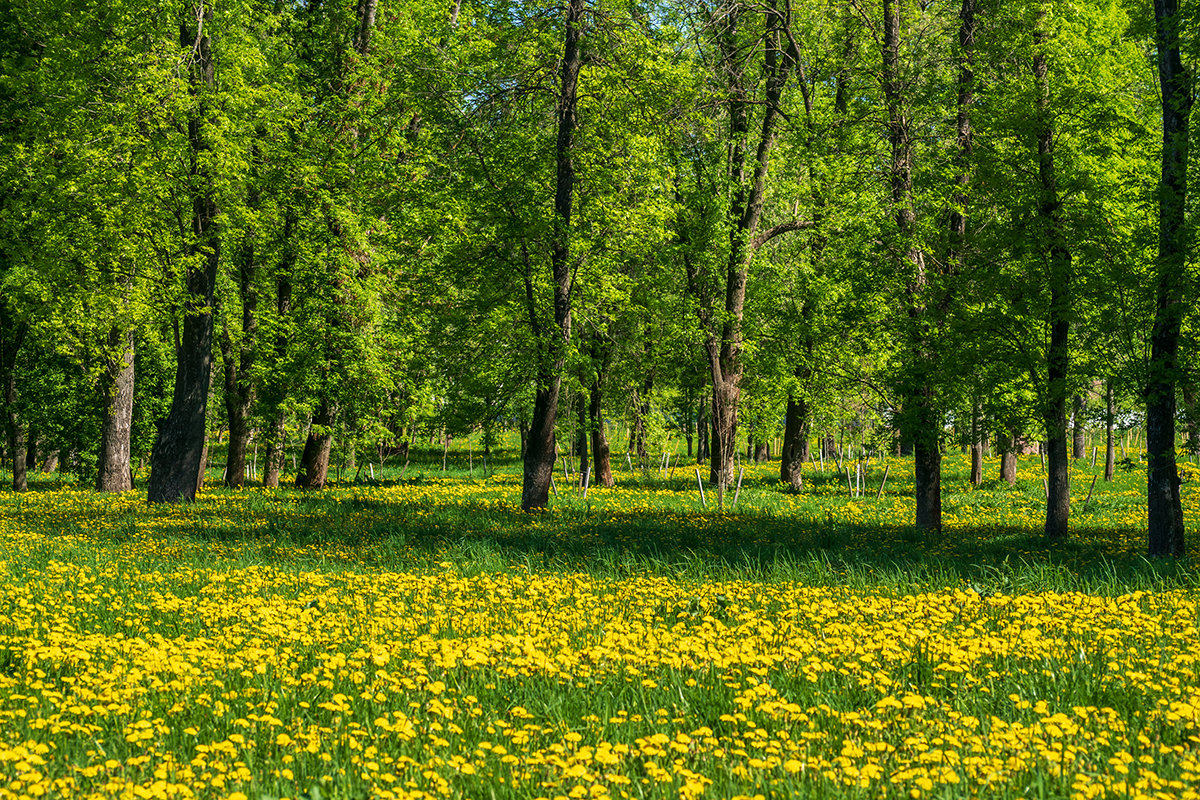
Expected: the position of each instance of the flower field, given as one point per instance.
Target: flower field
(425, 639)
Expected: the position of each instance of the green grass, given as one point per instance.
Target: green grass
(803, 644)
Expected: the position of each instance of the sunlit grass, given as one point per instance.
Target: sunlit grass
(423, 637)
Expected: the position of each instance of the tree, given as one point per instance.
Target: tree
(1165, 512)
(176, 463)
(554, 338)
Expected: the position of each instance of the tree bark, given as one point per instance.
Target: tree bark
(314, 463)
(601, 468)
(583, 436)
(175, 462)
(238, 358)
(1008, 458)
(273, 457)
(976, 443)
(795, 442)
(1058, 278)
(116, 426)
(553, 343)
(1165, 513)
(12, 337)
(920, 415)
(749, 181)
(1110, 451)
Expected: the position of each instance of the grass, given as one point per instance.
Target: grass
(418, 635)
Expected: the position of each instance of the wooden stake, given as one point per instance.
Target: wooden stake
(738, 490)
(700, 484)
(879, 494)
(1090, 490)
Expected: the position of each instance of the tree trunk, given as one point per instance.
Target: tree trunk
(583, 437)
(239, 362)
(1110, 451)
(1165, 511)
(1058, 278)
(601, 468)
(273, 457)
(976, 444)
(702, 429)
(917, 399)
(15, 427)
(749, 182)
(795, 442)
(1008, 458)
(314, 463)
(175, 464)
(113, 473)
(553, 343)
(12, 336)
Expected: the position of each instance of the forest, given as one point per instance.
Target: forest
(318, 233)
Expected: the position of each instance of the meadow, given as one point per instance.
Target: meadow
(418, 636)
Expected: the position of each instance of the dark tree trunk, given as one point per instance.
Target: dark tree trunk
(553, 343)
(1165, 511)
(15, 428)
(238, 358)
(702, 430)
(601, 468)
(273, 457)
(976, 444)
(749, 181)
(1078, 438)
(795, 442)
(314, 463)
(1058, 278)
(1110, 452)
(762, 452)
(1008, 458)
(175, 464)
(51, 462)
(920, 419)
(12, 336)
(116, 426)
(583, 437)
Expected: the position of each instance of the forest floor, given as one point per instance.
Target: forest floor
(420, 636)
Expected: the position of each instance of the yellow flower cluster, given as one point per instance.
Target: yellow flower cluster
(143, 654)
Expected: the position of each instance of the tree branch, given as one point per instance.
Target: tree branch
(783, 227)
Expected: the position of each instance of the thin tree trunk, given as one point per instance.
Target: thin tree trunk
(116, 426)
(12, 336)
(175, 464)
(1165, 518)
(553, 343)
(238, 359)
(1110, 449)
(976, 443)
(1058, 277)
(1078, 432)
(583, 436)
(917, 397)
(15, 427)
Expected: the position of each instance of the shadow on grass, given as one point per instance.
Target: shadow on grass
(376, 533)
